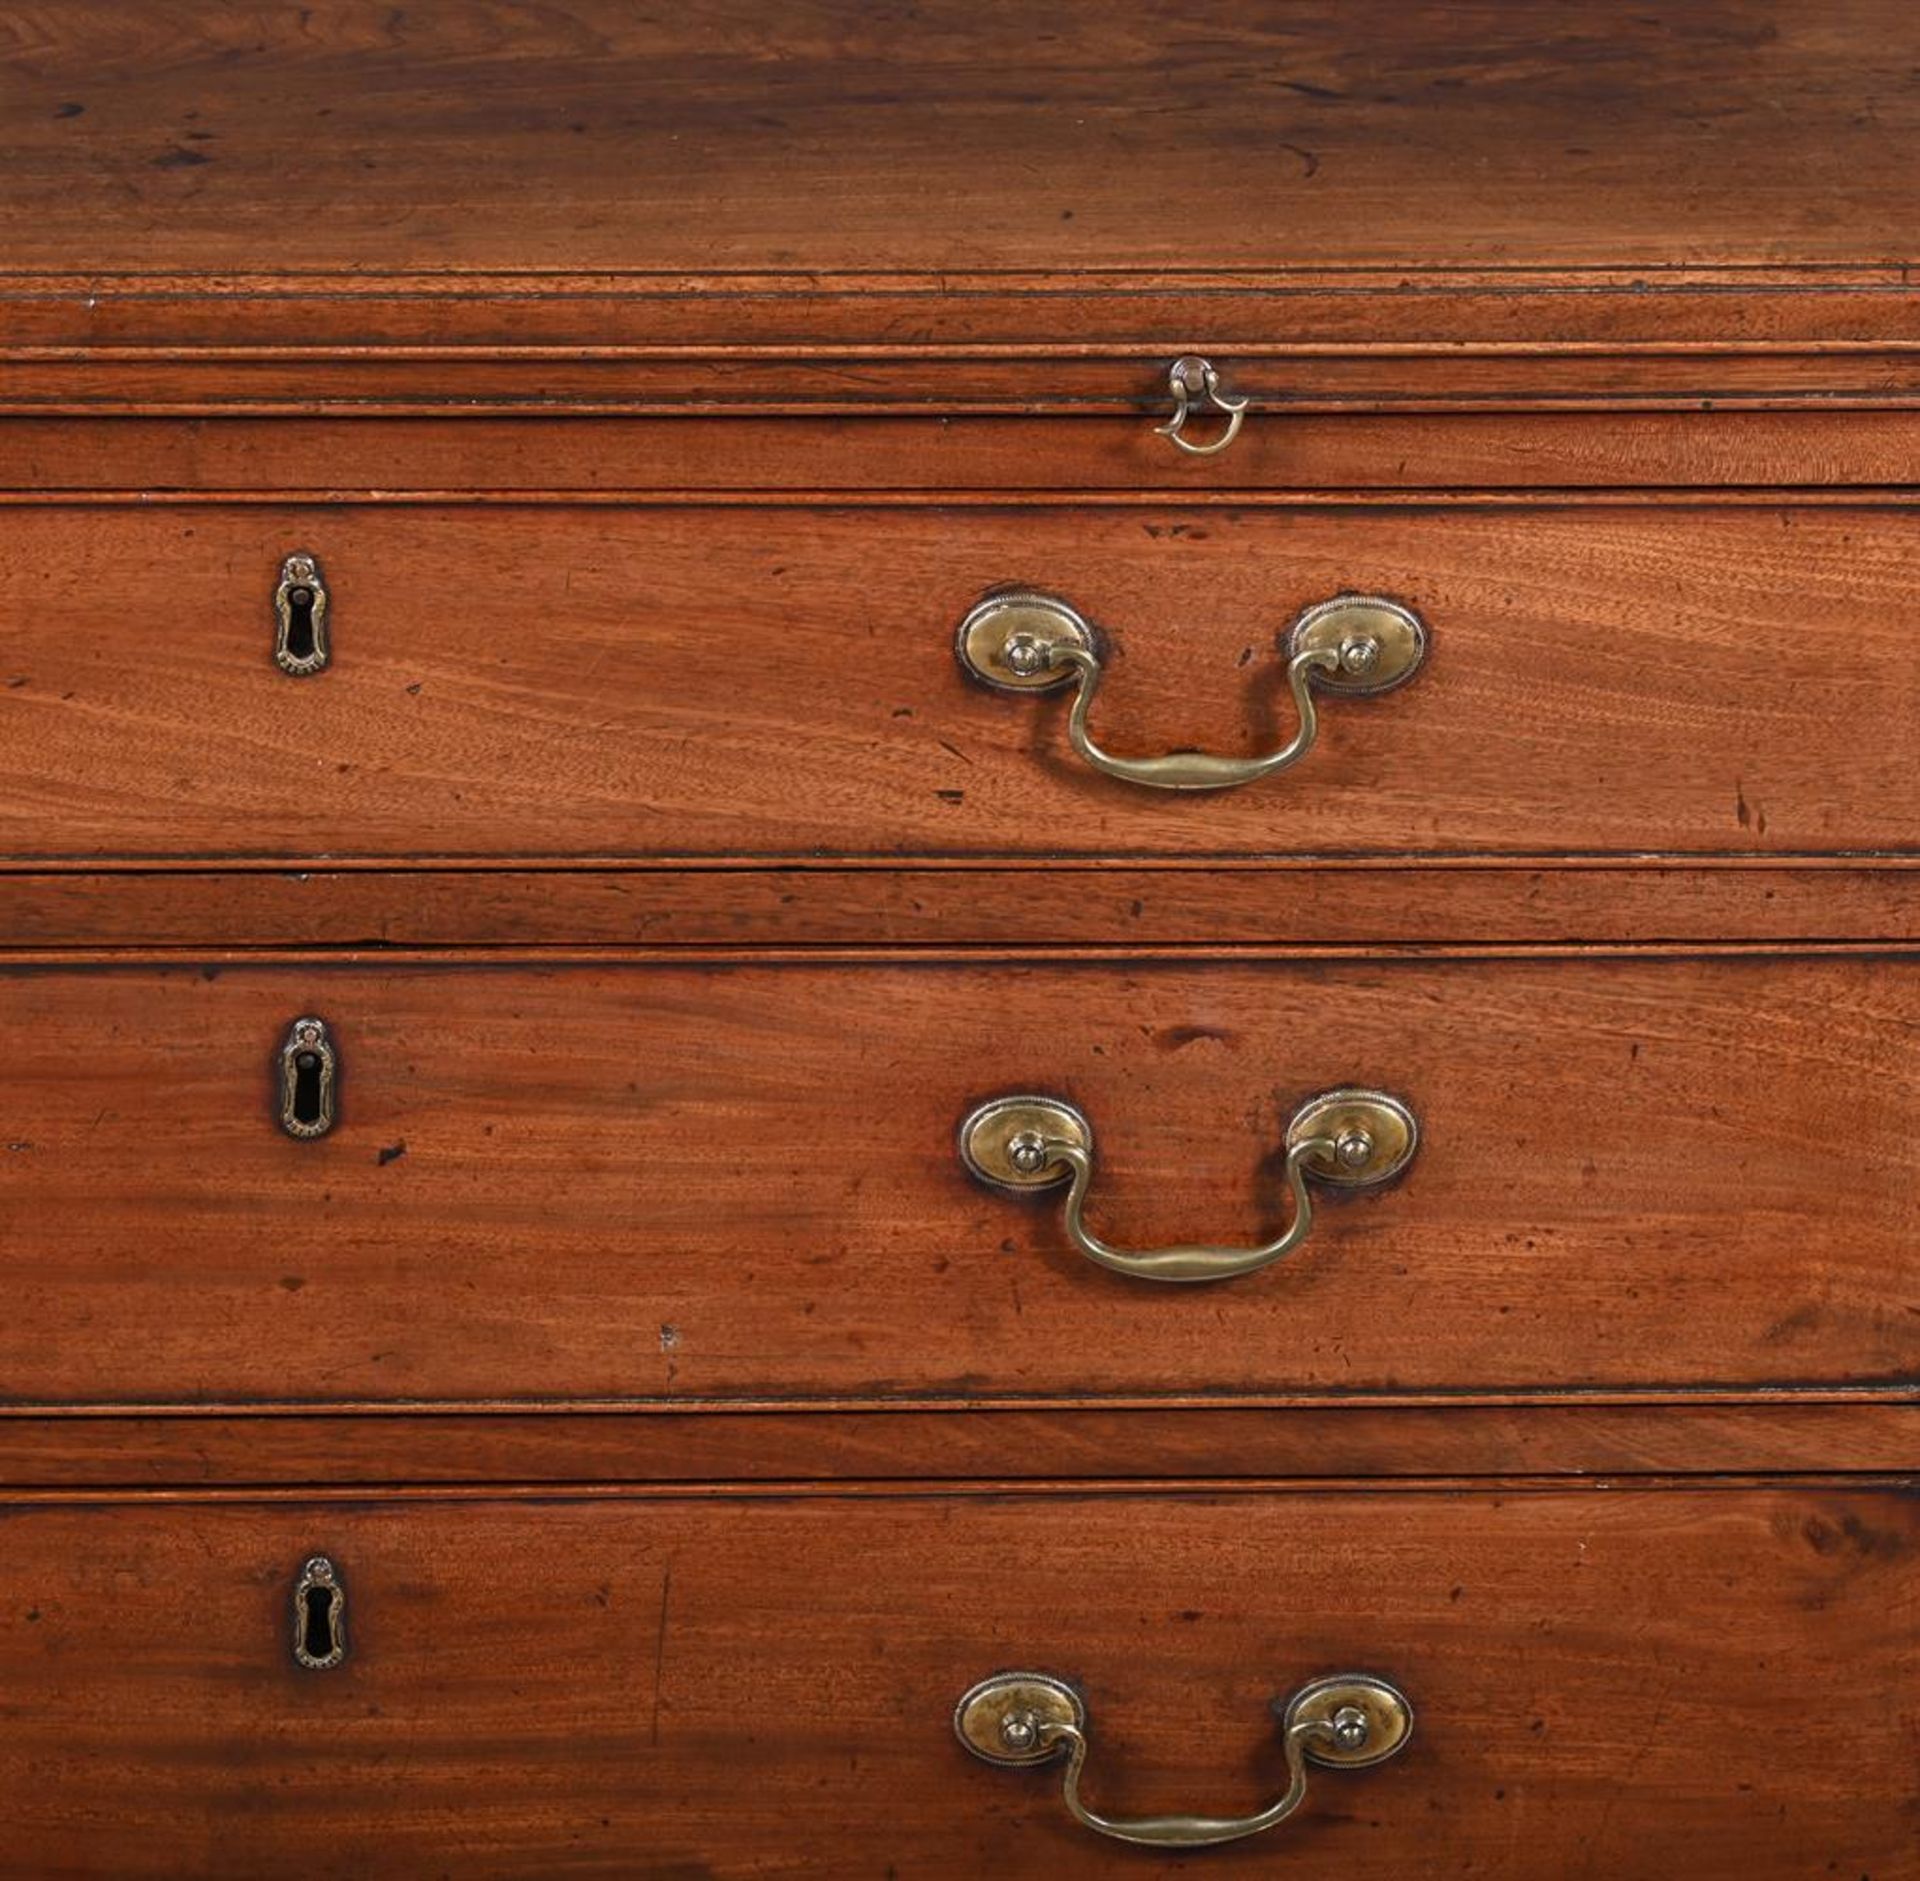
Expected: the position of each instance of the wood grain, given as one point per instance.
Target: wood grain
(545, 380)
(763, 1687)
(1674, 1434)
(1783, 321)
(678, 1181)
(658, 388)
(820, 136)
(691, 453)
(1328, 901)
(649, 681)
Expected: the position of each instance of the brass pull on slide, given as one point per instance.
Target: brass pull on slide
(307, 1072)
(1351, 646)
(1195, 386)
(300, 643)
(1347, 1139)
(319, 1616)
(1017, 1719)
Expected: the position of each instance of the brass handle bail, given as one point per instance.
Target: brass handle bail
(1195, 386)
(1347, 1139)
(1352, 646)
(1017, 1719)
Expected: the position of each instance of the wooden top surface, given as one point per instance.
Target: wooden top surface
(1215, 142)
(1034, 135)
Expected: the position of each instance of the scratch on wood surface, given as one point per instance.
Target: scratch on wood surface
(660, 1648)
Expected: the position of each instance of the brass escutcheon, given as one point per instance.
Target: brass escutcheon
(319, 1616)
(301, 646)
(307, 1076)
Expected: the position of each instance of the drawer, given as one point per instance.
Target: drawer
(580, 682)
(1634, 1682)
(651, 1178)
(929, 440)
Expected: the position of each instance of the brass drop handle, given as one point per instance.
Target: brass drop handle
(1352, 645)
(1347, 1139)
(1017, 1719)
(1195, 384)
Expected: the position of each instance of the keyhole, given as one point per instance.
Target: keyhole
(307, 1072)
(318, 1640)
(300, 617)
(306, 1088)
(300, 623)
(319, 1616)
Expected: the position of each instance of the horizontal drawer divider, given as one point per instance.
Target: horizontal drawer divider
(1466, 1397)
(289, 1445)
(94, 959)
(1207, 1488)
(1887, 494)
(1498, 450)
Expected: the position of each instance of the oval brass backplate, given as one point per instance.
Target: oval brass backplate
(1388, 1719)
(993, 1138)
(1377, 1134)
(1381, 643)
(1000, 1719)
(1005, 641)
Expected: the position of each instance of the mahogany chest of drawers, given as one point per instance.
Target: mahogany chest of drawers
(959, 941)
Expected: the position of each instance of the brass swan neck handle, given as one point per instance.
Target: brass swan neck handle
(1347, 1138)
(1352, 645)
(1017, 1719)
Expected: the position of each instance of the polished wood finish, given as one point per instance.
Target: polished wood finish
(758, 1687)
(691, 456)
(1720, 330)
(658, 389)
(619, 1180)
(396, 380)
(732, 681)
(1328, 901)
(1541, 1436)
(974, 138)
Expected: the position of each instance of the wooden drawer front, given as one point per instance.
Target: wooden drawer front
(1633, 1683)
(729, 681)
(668, 1179)
(946, 448)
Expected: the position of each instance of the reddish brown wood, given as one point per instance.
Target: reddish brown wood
(1146, 136)
(658, 388)
(423, 380)
(1785, 319)
(763, 1687)
(574, 1444)
(1324, 902)
(673, 1181)
(362, 459)
(577, 681)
